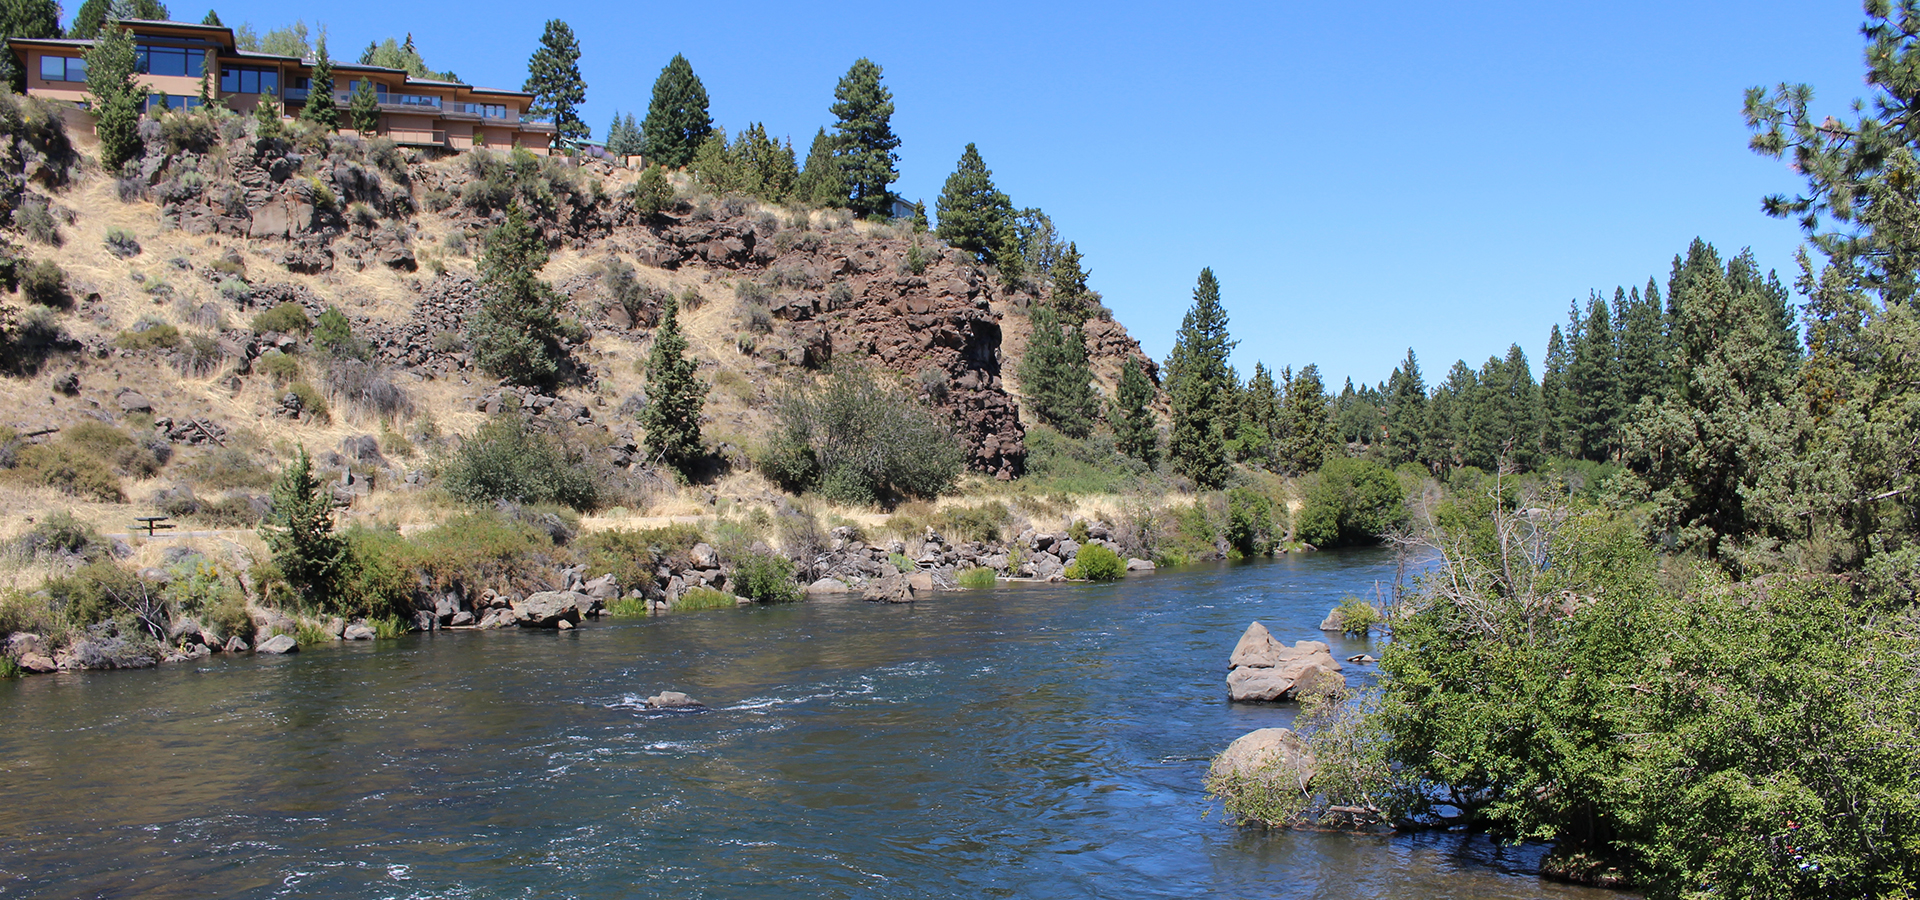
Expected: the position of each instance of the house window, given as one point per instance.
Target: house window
(487, 110)
(165, 101)
(62, 68)
(379, 90)
(238, 80)
(151, 60)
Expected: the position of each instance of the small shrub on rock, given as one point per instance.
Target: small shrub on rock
(36, 222)
(45, 284)
(765, 577)
(1096, 563)
(280, 367)
(122, 244)
(148, 334)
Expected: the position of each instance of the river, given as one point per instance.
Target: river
(1028, 741)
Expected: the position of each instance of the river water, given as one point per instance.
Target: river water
(1021, 742)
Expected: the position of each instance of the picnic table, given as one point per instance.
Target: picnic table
(150, 523)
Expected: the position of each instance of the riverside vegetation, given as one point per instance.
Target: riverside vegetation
(1672, 625)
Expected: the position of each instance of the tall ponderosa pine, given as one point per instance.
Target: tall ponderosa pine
(822, 182)
(26, 19)
(1199, 387)
(298, 529)
(513, 333)
(1259, 431)
(321, 109)
(1307, 423)
(1448, 412)
(865, 140)
(974, 216)
(1406, 411)
(1133, 427)
(1056, 373)
(1593, 381)
(1644, 358)
(677, 121)
(1503, 419)
(117, 97)
(553, 78)
(671, 418)
(1556, 401)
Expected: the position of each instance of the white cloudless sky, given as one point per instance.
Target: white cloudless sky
(1362, 178)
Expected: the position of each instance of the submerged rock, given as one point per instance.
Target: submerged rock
(673, 700)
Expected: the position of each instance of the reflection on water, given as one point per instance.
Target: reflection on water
(1032, 742)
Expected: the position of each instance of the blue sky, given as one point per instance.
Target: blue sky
(1363, 178)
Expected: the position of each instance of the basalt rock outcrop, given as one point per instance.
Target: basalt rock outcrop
(1262, 668)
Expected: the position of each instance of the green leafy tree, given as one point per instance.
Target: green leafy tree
(1199, 387)
(974, 215)
(865, 142)
(822, 182)
(299, 532)
(1133, 424)
(513, 332)
(553, 78)
(117, 97)
(671, 418)
(1354, 501)
(321, 108)
(288, 41)
(25, 19)
(677, 121)
(363, 108)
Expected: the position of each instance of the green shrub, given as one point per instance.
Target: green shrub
(95, 593)
(200, 356)
(148, 334)
(198, 587)
(312, 402)
(978, 578)
(61, 533)
(61, 466)
(333, 336)
(1058, 463)
(901, 562)
(1357, 616)
(287, 318)
(627, 608)
(386, 628)
(377, 581)
(484, 550)
(309, 634)
(506, 460)
(700, 598)
(1352, 501)
(634, 556)
(1096, 563)
(985, 522)
(44, 283)
(858, 441)
(121, 243)
(228, 468)
(765, 577)
(280, 367)
(652, 192)
(1249, 522)
(36, 222)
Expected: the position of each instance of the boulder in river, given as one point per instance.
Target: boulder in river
(826, 587)
(890, 589)
(280, 643)
(547, 609)
(673, 700)
(1267, 752)
(1262, 668)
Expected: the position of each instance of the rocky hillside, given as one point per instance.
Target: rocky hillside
(157, 327)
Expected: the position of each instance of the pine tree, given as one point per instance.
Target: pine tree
(1198, 386)
(553, 78)
(1406, 411)
(363, 108)
(1448, 413)
(1071, 296)
(1056, 374)
(677, 120)
(299, 531)
(90, 20)
(1133, 425)
(1259, 418)
(865, 139)
(822, 183)
(671, 418)
(1556, 402)
(974, 215)
(212, 18)
(1593, 381)
(25, 19)
(1308, 428)
(321, 109)
(513, 333)
(266, 116)
(117, 97)
(920, 224)
(762, 166)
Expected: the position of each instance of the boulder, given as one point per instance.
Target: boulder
(134, 402)
(703, 556)
(1266, 753)
(358, 631)
(673, 700)
(1334, 622)
(827, 587)
(1140, 565)
(604, 588)
(1256, 648)
(1265, 669)
(547, 609)
(890, 589)
(920, 581)
(35, 662)
(279, 644)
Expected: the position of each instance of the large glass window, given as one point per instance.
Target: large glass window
(487, 110)
(379, 90)
(241, 80)
(62, 68)
(152, 60)
(165, 101)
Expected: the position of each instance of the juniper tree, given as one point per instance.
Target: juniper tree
(117, 97)
(677, 121)
(671, 418)
(320, 108)
(513, 334)
(1133, 425)
(974, 215)
(266, 116)
(822, 181)
(1307, 423)
(553, 78)
(764, 167)
(90, 19)
(865, 142)
(1198, 387)
(298, 529)
(363, 108)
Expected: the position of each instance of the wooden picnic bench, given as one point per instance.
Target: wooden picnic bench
(150, 523)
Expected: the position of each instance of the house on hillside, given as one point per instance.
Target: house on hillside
(175, 56)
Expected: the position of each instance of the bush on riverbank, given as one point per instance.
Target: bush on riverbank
(1096, 563)
(1352, 501)
(635, 556)
(507, 460)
